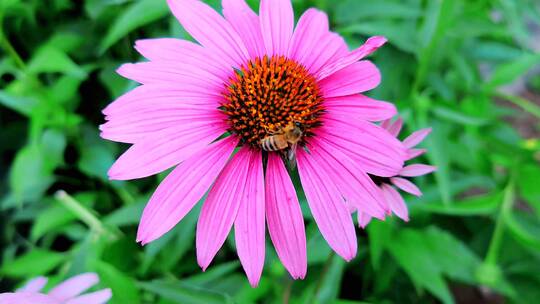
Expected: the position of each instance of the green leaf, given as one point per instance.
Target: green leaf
(183, 293)
(352, 10)
(29, 177)
(51, 219)
(508, 72)
(136, 15)
(428, 255)
(52, 60)
(123, 286)
(23, 105)
(474, 206)
(34, 263)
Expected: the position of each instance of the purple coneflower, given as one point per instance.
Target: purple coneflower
(388, 184)
(68, 292)
(231, 111)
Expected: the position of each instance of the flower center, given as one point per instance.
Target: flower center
(269, 94)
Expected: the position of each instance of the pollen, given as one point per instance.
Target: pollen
(266, 94)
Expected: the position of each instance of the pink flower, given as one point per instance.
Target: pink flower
(250, 78)
(388, 184)
(68, 292)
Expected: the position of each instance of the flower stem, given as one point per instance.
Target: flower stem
(85, 215)
(496, 241)
(521, 102)
(10, 50)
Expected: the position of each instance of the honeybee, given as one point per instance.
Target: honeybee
(287, 137)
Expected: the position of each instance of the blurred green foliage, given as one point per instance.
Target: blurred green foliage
(467, 68)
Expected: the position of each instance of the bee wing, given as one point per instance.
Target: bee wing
(291, 156)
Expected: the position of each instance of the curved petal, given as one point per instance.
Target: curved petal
(393, 127)
(396, 202)
(329, 47)
(27, 298)
(183, 51)
(246, 22)
(312, 44)
(74, 286)
(210, 29)
(221, 207)
(177, 95)
(374, 148)
(34, 285)
(356, 78)
(97, 297)
(416, 138)
(406, 185)
(363, 219)
(134, 126)
(182, 189)
(371, 45)
(284, 218)
(249, 226)
(277, 24)
(163, 150)
(414, 153)
(360, 107)
(173, 73)
(354, 184)
(327, 206)
(417, 170)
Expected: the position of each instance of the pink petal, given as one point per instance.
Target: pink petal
(173, 73)
(414, 153)
(97, 297)
(284, 218)
(376, 150)
(211, 30)
(162, 150)
(221, 207)
(34, 285)
(363, 219)
(134, 126)
(244, 20)
(416, 138)
(371, 45)
(324, 50)
(74, 286)
(249, 226)
(277, 24)
(393, 127)
(417, 170)
(311, 25)
(182, 189)
(161, 95)
(312, 44)
(351, 180)
(360, 107)
(406, 185)
(327, 206)
(183, 51)
(356, 78)
(27, 298)
(396, 202)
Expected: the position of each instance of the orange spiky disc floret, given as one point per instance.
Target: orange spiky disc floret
(266, 94)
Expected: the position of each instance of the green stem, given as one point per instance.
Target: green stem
(521, 102)
(496, 241)
(10, 50)
(85, 215)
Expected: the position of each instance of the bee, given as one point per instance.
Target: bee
(287, 137)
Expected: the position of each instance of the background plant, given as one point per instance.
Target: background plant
(470, 69)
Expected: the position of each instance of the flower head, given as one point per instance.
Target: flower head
(248, 80)
(68, 292)
(388, 185)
